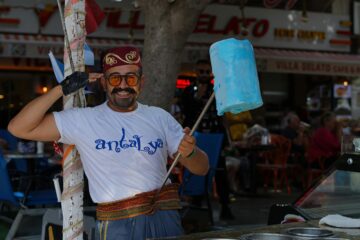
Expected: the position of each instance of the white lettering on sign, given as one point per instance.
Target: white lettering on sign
(321, 68)
(263, 27)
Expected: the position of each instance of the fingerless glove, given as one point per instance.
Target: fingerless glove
(74, 82)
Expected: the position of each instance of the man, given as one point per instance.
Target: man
(123, 146)
(194, 99)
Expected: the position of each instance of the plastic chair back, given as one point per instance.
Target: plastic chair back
(19, 164)
(7, 194)
(6, 191)
(10, 139)
(211, 144)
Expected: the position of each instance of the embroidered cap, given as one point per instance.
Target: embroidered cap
(121, 56)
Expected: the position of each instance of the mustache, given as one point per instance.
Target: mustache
(129, 90)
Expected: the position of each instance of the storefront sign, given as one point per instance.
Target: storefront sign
(38, 46)
(308, 67)
(300, 34)
(263, 27)
(265, 63)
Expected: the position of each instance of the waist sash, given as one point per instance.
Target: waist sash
(140, 204)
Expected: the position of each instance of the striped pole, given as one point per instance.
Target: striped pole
(73, 174)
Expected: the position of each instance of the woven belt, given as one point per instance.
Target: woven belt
(140, 204)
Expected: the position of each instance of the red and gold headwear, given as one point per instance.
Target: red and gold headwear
(121, 56)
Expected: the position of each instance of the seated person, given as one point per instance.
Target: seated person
(237, 165)
(355, 128)
(325, 143)
(351, 129)
(296, 132)
(237, 124)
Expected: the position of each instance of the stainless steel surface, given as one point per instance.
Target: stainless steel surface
(267, 236)
(29, 156)
(331, 238)
(309, 232)
(26, 155)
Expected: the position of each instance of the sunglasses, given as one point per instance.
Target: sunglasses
(131, 79)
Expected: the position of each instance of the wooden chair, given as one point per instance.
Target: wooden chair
(276, 162)
(314, 173)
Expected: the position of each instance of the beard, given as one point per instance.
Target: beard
(122, 103)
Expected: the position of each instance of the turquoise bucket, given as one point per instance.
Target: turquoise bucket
(236, 84)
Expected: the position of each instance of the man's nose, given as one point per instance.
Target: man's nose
(123, 83)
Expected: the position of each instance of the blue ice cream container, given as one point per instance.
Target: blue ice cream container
(236, 84)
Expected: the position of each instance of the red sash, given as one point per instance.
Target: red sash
(140, 204)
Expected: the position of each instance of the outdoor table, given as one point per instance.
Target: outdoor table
(252, 151)
(30, 156)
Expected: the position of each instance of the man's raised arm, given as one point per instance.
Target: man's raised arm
(33, 123)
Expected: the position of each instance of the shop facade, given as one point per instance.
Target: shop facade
(295, 54)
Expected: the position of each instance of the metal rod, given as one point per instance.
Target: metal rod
(66, 37)
(207, 105)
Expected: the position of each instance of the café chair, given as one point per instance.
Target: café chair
(194, 186)
(21, 200)
(276, 162)
(313, 173)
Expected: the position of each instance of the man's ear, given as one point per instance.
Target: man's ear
(103, 83)
(142, 82)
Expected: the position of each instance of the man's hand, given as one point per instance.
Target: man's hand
(74, 82)
(95, 76)
(187, 144)
(78, 80)
(192, 157)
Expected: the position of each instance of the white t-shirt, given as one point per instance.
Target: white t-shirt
(123, 153)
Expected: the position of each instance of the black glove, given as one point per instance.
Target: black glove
(74, 82)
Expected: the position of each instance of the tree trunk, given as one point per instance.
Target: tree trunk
(73, 174)
(167, 27)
